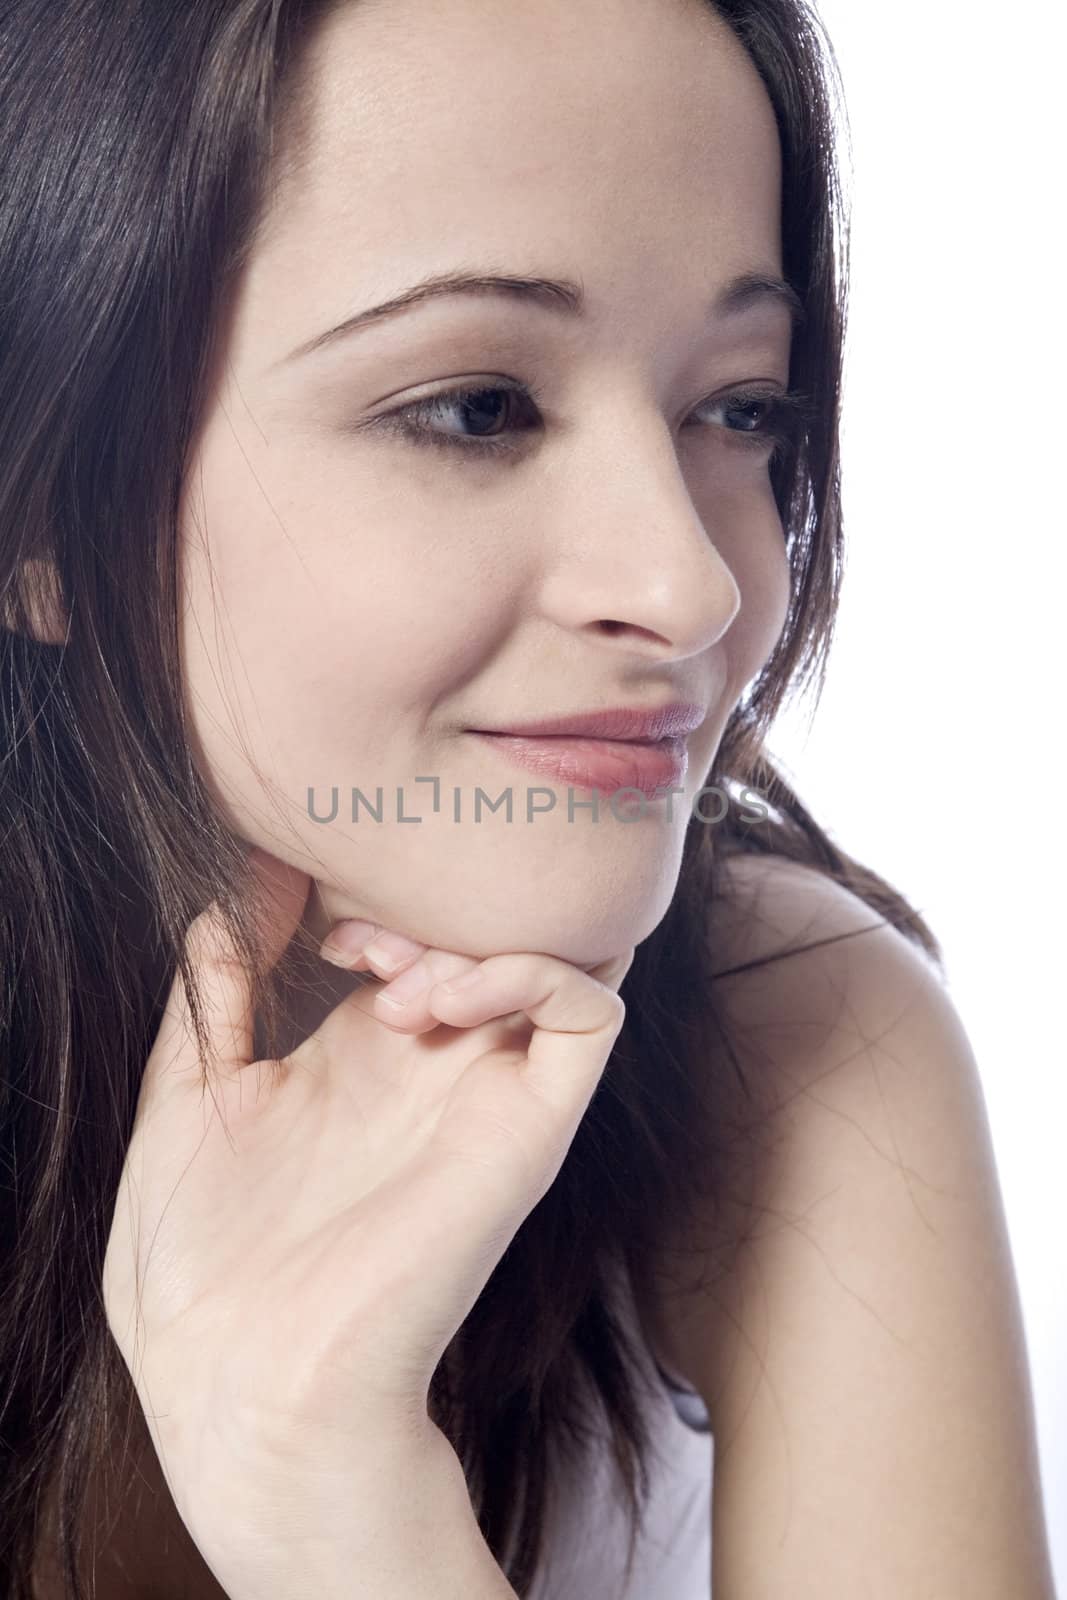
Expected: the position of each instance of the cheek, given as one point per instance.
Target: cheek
(752, 544)
(765, 588)
(318, 628)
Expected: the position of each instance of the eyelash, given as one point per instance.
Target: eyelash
(787, 411)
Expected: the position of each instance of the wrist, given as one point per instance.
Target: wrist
(433, 1525)
(405, 1530)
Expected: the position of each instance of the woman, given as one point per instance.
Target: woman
(306, 1294)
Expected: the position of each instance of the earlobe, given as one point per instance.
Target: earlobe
(42, 614)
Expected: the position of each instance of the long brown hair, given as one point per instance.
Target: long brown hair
(136, 150)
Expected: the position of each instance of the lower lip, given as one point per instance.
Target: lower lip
(602, 764)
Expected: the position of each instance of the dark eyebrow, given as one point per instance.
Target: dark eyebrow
(559, 295)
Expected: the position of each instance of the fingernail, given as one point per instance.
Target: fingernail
(392, 950)
(408, 984)
(406, 987)
(346, 941)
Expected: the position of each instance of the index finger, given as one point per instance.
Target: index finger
(223, 982)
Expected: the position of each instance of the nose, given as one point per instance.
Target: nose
(644, 565)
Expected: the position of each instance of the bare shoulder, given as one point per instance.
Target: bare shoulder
(814, 987)
(803, 963)
(857, 1338)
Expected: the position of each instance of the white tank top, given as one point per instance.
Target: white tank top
(585, 1554)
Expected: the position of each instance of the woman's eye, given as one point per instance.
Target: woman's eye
(485, 410)
(760, 422)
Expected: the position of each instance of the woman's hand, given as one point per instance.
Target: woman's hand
(295, 1243)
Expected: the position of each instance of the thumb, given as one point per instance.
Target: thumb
(223, 981)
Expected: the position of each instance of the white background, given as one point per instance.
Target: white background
(935, 752)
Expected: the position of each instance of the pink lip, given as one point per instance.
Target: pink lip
(623, 723)
(596, 763)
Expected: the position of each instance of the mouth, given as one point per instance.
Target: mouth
(651, 767)
(623, 724)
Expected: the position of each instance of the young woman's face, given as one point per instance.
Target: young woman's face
(355, 601)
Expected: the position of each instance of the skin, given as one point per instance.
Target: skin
(352, 602)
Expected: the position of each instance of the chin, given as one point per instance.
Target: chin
(584, 940)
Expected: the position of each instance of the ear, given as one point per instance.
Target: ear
(38, 584)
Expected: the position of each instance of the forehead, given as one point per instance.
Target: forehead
(618, 135)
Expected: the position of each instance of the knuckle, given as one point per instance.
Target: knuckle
(209, 945)
(442, 964)
(204, 936)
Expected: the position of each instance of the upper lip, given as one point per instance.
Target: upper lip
(634, 724)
